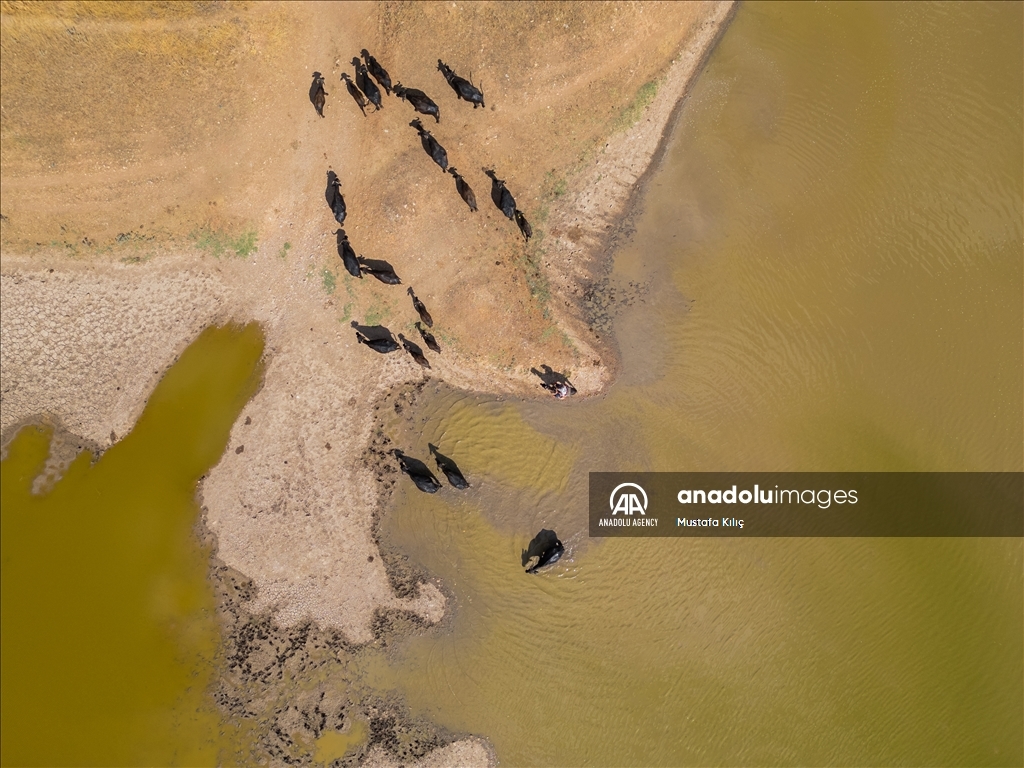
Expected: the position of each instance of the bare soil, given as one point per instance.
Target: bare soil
(162, 168)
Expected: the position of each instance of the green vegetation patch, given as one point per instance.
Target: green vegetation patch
(644, 96)
(218, 243)
(329, 281)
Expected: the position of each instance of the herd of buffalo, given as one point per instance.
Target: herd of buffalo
(365, 90)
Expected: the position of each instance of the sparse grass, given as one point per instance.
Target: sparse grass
(644, 96)
(329, 281)
(283, 253)
(346, 313)
(218, 244)
(375, 314)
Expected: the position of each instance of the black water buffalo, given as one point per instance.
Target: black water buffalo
(464, 89)
(379, 73)
(317, 93)
(380, 270)
(354, 92)
(524, 225)
(430, 145)
(419, 100)
(335, 199)
(428, 339)
(545, 549)
(502, 198)
(422, 310)
(347, 255)
(382, 345)
(415, 351)
(418, 471)
(450, 468)
(465, 191)
(366, 85)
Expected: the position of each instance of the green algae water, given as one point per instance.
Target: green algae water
(109, 629)
(833, 246)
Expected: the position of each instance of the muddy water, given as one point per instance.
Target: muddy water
(109, 631)
(832, 249)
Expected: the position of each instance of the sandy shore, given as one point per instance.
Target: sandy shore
(84, 337)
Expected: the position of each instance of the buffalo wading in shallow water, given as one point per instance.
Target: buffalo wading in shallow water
(500, 195)
(366, 85)
(421, 309)
(464, 190)
(419, 473)
(464, 89)
(428, 339)
(419, 100)
(354, 92)
(379, 73)
(317, 93)
(431, 145)
(347, 254)
(414, 351)
(545, 549)
(449, 468)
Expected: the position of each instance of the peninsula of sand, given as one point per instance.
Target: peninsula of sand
(164, 169)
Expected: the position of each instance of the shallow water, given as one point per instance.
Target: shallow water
(109, 631)
(833, 253)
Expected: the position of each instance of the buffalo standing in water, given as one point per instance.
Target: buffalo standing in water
(501, 197)
(417, 470)
(545, 549)
(464, 89)
(366, 85)
(354, 92)
(431, 145)
(464, 190)
(348, 256)
(419, 100)
(379, 73)
(450, 469)
(317, 93)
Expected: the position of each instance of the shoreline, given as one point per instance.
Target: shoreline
(308, 561)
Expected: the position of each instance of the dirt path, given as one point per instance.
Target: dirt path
(163, 169)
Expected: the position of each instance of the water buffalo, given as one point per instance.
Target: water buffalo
(418, 471)
(381, 271)
(382, 345)
(428, 339)
(415, 351)
(354, 92)
(419, 100)
(431, 145)
(379, 73)
(500, 195)
(422, 310)
(317, 93)
(366, 85)
(348, 256)
(464, 190)
(335, 198)
(545, 549)
(450, 469)
(524, 225)
(464, 89)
